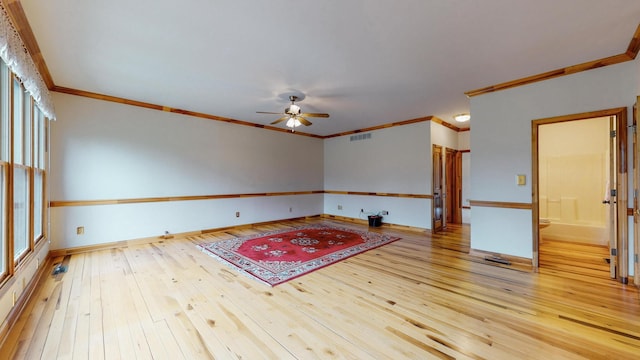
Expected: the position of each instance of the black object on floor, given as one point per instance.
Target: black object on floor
(59, 269)
(497, 260)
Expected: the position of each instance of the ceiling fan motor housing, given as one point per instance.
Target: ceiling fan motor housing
(293, 110)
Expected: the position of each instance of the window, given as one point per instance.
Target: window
(18, 125)
(22, 173)
(21, 179)
(38, 173)
(3, 228)
(4, 113)
(20, 211)
(38, 205)
(5, 160)
(27, 133)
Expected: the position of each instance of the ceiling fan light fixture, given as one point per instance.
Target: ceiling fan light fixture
(462, 117)
(293, 122)
(293, 109)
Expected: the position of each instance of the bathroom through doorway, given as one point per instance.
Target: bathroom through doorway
(576, 188)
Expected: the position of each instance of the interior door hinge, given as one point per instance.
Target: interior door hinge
(613, 192)
(635, 258)
(614, 252)
(613, 133)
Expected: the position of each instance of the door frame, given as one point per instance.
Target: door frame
(636, 189)
(436, 165)
(622, 241)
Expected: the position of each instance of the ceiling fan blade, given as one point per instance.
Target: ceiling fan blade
(303, 121)
(268, 112)
(315, 115)
(280, 119)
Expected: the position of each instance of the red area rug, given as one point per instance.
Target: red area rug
(279, 256)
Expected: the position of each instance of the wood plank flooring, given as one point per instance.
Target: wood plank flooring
(420, 297)
(574, 257)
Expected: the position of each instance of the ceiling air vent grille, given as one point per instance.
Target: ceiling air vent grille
(357, 137)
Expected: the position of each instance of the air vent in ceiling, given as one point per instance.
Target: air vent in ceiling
(357, 137)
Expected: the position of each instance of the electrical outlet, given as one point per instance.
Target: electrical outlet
(80, 230)
(339, 207)
(290, 209)
(237, 213)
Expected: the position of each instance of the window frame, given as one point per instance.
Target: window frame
(6, 225)
(18, 258)
(6, 157)
(28, 153)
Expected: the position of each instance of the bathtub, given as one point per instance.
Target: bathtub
(592, 234)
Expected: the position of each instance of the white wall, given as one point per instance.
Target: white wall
(501, 143)
(395, 160)
(464, 140)
(444, 136)
(104, 150)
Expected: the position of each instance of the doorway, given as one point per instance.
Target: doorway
(579, 194)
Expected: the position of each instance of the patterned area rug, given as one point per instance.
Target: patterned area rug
(279, 256)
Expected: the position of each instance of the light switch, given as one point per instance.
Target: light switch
(521, 179)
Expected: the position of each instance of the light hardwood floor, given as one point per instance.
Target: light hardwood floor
(574, 257)
(417, 298)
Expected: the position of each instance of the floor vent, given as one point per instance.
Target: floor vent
(357, 137)
(497, 260)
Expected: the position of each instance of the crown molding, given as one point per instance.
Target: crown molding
(628, 55)
(93, 95)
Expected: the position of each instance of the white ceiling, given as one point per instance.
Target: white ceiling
(365, 62)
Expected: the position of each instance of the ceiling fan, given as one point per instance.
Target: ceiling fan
(294, 115)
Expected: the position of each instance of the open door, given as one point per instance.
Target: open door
(610, 198)
(437, 208)
(616, 197)
(453, 184)
(622, 186)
